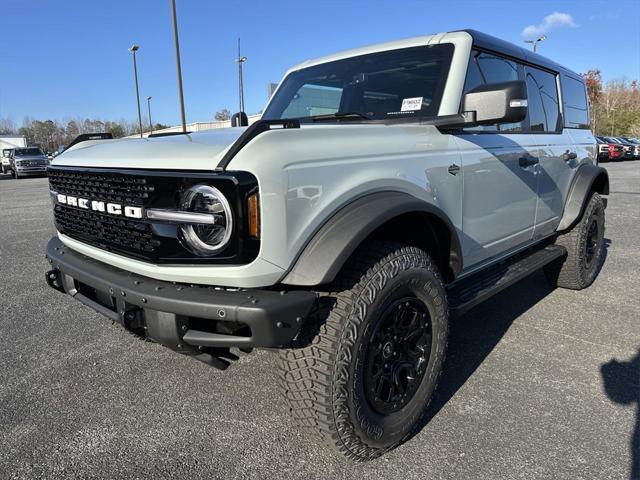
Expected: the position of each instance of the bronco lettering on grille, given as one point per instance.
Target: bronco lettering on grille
(111, 208)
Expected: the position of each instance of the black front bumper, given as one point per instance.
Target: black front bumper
(185, 318)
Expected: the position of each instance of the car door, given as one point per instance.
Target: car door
(566, 148)
(499, 174)
(557, 156)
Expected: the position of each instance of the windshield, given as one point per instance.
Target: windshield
(6, 152)
(396, 83)
(31, 152)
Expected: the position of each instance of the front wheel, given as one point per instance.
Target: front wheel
(367, 368)
(585, 249)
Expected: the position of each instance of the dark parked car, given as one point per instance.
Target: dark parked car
(636, 145)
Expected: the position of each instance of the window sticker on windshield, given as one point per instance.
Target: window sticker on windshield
(410, 104)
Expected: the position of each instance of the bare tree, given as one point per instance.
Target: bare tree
(222, 115)
(7, 126)
(615, 107)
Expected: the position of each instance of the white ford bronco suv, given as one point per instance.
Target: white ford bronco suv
(384, 191)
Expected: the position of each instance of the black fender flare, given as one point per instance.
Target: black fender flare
(587, 175)
(324, 255)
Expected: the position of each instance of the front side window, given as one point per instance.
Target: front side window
(401, 83)
(485, 68)
(542, 94)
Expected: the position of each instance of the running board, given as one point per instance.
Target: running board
(471, 291)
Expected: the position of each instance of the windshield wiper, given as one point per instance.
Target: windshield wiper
(339, 116)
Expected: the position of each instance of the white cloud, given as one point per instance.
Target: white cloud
(550, 22)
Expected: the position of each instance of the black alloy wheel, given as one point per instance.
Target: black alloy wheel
(397, 355)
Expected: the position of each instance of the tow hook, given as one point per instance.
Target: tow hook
(54, 279)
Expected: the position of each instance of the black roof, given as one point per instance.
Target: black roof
(488, 42)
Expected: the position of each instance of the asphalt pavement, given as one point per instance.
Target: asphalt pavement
(539, 383)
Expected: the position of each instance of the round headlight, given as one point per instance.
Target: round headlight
(206, 239)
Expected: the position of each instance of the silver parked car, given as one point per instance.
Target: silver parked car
(27, 161)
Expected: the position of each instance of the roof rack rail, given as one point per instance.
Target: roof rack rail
(90, 136)
(166, 134)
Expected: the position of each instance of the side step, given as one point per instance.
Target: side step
(469, 292)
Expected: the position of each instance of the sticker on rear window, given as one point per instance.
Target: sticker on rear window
(410, 104)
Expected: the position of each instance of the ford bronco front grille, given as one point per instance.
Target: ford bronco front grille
(119, 188)
(123, 235)
(106, 231)
(143, 238)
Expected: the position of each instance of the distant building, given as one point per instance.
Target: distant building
(12, 141)
(198, 126)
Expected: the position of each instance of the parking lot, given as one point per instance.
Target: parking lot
(529, 389)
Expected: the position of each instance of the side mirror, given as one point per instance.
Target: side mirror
(504, 102)
(239, 120)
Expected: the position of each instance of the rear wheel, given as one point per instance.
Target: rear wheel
(585, 249)
(367, 366)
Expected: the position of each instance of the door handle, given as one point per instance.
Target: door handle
(566, 156)
(528, 161)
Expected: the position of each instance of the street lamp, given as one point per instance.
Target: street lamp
(149, 107)
(535, 42)
(240, 61)
(134, 48)
(179, 68)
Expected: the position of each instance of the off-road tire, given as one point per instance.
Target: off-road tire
(322, 374)
(574, 272)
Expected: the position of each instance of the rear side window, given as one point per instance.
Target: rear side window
(542, 93)
(576, 107)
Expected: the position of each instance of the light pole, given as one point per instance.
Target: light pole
(134, 48)
(179, 68)
(535, 42)
(149, 108)
(240, 60)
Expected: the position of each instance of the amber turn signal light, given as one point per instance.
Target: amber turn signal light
(253, 204)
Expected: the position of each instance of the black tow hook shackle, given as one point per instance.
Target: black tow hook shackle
(54, 279)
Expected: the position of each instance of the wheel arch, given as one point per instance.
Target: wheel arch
(589, 178)
(392, 216)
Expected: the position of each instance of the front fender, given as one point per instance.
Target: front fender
(328, 250)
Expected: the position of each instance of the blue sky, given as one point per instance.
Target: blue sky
(61, 59)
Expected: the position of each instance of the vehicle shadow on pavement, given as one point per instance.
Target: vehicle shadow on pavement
(473, 336)
(621, 381)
